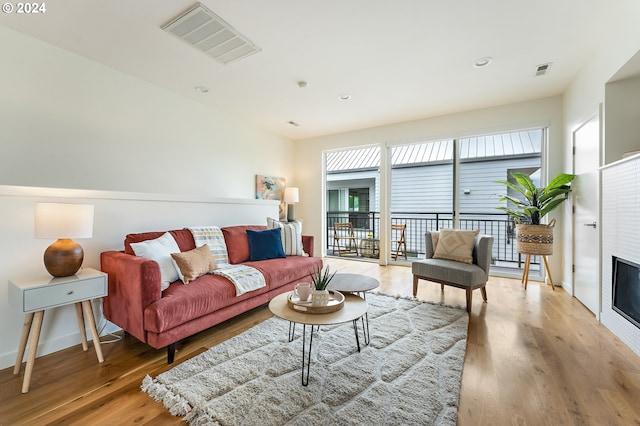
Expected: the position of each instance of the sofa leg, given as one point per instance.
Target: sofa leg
(171, 353)
(415, 285)
(469, 297)
(483, 290)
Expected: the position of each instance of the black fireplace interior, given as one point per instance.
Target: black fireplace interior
(626, 289)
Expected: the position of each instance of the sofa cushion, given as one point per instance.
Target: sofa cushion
(183, 303)
(456, 244)
(194, 263)
(160, 249)
(235, 238)
(265, 244)
(183, 237)
(278, 272)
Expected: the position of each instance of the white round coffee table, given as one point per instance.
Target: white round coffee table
(358, 284)
(353, 309)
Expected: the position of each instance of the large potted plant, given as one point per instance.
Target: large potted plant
(530, 206)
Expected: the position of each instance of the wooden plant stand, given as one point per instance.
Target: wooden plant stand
(525, 273)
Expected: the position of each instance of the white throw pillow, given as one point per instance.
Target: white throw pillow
(291, 233)
(160, 250)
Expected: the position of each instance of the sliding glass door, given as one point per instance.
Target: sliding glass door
(422, 195)
(353, 197)
(433, 185)
(483, 161)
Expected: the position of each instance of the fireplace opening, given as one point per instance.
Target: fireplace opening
(626, 289)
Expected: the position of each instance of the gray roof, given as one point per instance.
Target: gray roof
(522, 143)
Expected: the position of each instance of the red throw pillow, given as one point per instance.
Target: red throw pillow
(183, 237)
(235, 237)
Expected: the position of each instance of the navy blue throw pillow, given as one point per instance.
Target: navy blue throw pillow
(265, 244)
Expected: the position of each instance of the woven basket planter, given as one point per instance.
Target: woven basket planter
(535, 239)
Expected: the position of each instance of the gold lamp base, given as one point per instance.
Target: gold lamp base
(63, 258)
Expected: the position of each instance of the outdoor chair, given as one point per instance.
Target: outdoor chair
(467, 276)
(398, 238)
(344, 231)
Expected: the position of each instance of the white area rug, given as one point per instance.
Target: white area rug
(410, 374)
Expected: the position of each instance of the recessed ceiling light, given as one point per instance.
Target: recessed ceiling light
(201, 89)
(344, 97)
(482, 62)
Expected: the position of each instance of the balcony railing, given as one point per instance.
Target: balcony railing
(367, 225)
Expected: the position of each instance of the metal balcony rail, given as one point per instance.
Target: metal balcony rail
(366, 225)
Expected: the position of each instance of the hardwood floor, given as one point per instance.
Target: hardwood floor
(534, 357)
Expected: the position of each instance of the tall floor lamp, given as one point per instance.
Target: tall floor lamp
(291, 196)
(63, 222)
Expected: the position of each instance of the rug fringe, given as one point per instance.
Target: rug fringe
(177, 405)
(199, 417)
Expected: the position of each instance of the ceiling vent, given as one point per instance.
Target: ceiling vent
(208, 32)
(542, 69)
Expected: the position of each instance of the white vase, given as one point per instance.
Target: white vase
(319, 297)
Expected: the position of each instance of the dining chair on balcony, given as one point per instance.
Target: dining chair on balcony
(344, 231)
(398, 238)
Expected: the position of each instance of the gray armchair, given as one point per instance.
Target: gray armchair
(468, 276)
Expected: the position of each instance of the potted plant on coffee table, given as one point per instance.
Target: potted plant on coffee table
(528, 208)
(320, 280)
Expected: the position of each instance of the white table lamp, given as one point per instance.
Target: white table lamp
(63, 222)
(291, 196)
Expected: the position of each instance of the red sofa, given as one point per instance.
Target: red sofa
(161, 318)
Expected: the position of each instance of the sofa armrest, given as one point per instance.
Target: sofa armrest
(134, 283)
(307, 244)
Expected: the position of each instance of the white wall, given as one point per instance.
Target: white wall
(587, 92)
(537, 113)
(68, 122)
(622, 106)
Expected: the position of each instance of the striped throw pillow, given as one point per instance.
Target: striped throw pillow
(291, 233)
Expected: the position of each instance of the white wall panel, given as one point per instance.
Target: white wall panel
(620, 238)
(116, 215)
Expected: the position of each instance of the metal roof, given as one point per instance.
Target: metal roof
(526, 142)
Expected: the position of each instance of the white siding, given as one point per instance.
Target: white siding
(480, 177)
(424, 189)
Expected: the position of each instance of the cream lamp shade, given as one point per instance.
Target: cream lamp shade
(63, 222)
(291, 196)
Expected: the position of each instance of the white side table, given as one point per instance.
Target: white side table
(34, 296)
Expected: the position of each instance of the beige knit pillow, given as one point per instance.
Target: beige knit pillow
(456, 244)
(194, 263)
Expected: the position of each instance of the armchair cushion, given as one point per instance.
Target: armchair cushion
(450, 271)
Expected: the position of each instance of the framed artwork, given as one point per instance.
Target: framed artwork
(272, 188)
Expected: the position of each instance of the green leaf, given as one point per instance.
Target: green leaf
(560, 180)
(525, 181)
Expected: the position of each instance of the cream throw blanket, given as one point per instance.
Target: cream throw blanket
(244, 278)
